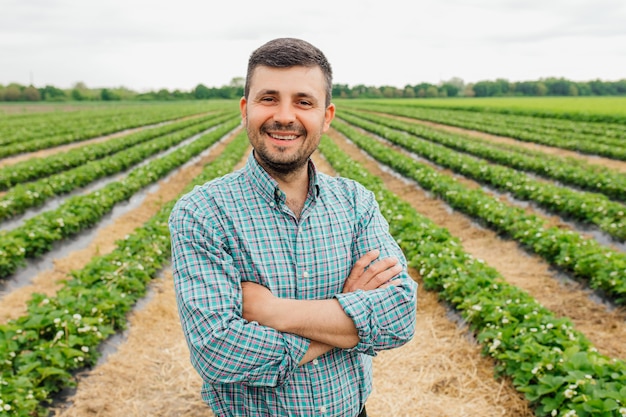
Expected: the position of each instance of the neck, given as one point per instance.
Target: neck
(295, 185)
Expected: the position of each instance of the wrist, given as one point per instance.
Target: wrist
(281, 315)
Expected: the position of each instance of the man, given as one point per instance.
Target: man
(287, 280)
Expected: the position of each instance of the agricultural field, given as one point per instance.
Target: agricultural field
(512, 217)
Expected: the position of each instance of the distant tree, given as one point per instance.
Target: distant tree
(181, 95)
(432, 91)
(408, 92)
(389, 91)
(163, 94)
(457, 82)
(51, 93)
(201, 92)
(468, 91)
(620, 86)
(451, 90)
(583, 89)
(30, 93)
(340, 90)
(78, 95)
(541, 89)
(12, 92)
(108, 95)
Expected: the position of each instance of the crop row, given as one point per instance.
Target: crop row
(59, 335)
(566, 170)
(602, 267)
(557, 112)
(567, 128)
(590, 208)
(88, 127)
(34, 168)
(480, 122)
(24, 196)
(37, 235)
(555, 366)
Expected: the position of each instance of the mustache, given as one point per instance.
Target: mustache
(280, 127)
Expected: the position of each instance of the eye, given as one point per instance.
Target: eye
(305, 103)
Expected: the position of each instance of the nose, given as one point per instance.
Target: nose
(284, 113)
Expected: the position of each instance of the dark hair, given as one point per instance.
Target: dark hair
(289, 52)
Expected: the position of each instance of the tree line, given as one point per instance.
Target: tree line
(454, 87)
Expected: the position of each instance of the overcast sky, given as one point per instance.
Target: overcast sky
(178, 44)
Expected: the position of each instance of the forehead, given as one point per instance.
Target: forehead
(291, 80)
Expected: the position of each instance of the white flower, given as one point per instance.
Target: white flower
(85, 349)
(569, 393)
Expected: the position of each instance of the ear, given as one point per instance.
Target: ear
(242, 108)
(329, 116)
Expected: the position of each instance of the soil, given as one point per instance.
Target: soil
(439, 373)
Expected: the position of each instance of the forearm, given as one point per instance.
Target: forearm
(318, 320)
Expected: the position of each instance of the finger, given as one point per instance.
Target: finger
(392, 283)
(382, 265)
(362, 263)
(379, 267)
(383, 277)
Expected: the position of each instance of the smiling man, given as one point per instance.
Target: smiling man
(287, 280)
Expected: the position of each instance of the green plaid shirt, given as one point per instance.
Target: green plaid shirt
(239, 228)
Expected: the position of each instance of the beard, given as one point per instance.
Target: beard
(279, 161)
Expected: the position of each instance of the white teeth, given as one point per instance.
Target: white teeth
(284, 137)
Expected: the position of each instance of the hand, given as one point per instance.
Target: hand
(256, 301)
(376, 276)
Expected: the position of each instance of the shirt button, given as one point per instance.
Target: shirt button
(305, 274)
(322, 409)
(315, 362)
(272, 204)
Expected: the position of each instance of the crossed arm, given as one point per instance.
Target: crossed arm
(324, 322)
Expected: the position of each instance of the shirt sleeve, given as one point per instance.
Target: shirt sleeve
(224, 347)
(384, 318)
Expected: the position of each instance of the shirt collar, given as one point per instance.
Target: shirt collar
(268, 187)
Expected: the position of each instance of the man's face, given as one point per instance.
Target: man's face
(285, 115)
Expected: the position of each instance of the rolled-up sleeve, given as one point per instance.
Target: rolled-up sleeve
(385, 318)
(224, 347)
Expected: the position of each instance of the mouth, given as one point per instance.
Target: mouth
(287, 137)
